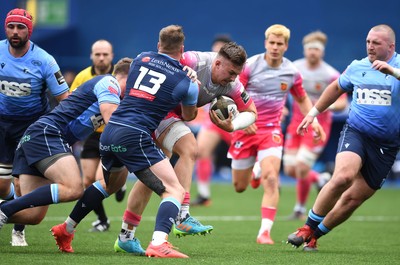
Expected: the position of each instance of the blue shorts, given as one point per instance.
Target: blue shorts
(11, 132)
(40, 141)
(377, 158)
(131, 146)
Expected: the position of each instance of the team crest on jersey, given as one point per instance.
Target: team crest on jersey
(36, 63)
(146, 59)
(284, 86)
(318, 86)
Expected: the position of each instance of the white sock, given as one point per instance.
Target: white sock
(184, 211)
(159, 238)
(71, 224)
(266, 225)
(204, 189)
(257, 170)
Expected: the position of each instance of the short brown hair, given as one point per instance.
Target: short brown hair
(171, 38)
(122, 66)
(234, 53)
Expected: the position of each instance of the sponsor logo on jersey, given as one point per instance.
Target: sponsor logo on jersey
(141, 94)
(146, 59)
(375, 97)
(15, 87)
(245, 97)
(60, 78)
(112, 90)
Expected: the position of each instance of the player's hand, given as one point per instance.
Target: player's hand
(192, 74)
(318, 132)
(252, 129)
(382, 67)
(225, 125)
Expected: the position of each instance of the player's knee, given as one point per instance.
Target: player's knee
(239, 186)
(187, 149)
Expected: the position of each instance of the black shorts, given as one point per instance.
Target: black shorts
(90, 147)
(377, 158)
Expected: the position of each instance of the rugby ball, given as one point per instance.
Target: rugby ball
(223, 105)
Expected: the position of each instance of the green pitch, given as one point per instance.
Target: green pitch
(371, 236)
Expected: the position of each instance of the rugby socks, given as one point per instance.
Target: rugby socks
(101, 213)
(41, 196)
(321, 230)
(92, 197)
(184, 211)
(204, 172)
(167, 212)
(267, 219)
(129, 224)
(17, 227)
(314, 220)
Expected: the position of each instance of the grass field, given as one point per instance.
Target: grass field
(371, 236)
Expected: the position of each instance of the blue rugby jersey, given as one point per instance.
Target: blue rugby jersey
(375, 106)
(156, 84)
(24, 80)
(79, 115)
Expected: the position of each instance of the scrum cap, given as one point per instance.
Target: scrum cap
(22, 16)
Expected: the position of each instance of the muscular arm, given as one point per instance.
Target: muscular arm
(62, 96)
(329, 96)
(106, 109)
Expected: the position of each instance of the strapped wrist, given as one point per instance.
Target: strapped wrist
(396, 73)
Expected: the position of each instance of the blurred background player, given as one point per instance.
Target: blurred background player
(208, 139)
(267, 77)
(26, 72)
(102, 58)
(301, 152)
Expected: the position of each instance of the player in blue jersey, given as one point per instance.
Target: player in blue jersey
(44, 163)
(156, 84)
(369, 140)
(26, 71)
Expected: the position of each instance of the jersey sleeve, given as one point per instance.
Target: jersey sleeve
(191, 97)
(245, 75)
(240, 96)
(297, 89)
(108, 90)
(54, 79)
(189, 59)
(344, 79)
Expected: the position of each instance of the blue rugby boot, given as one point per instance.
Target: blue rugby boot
(191, 226)
(131, 246)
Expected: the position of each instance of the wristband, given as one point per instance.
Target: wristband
(313, 112)
(396, 73)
